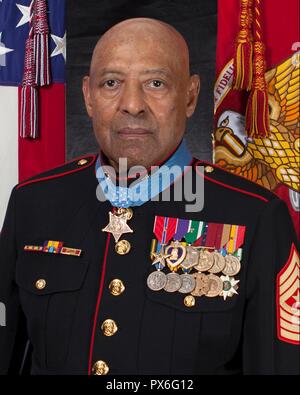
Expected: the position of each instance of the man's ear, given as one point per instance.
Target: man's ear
(86, 95)
(192, 94)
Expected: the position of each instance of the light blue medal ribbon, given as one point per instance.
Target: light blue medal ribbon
(149, 187)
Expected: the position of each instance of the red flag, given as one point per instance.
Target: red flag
(271, 161)
(38, 155)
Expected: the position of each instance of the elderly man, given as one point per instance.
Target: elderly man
(113, 272)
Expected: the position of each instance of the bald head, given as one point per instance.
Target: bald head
(143, 32)
(139, 91)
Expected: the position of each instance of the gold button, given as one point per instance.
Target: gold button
(116, 287)
(189, 301)
(40, 284)
(109, 327)
(208, 169)
(126, 212)
(122, 247)
(129, 213)
(82, 162)
(100, 368)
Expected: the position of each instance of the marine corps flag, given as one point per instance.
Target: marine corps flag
(257, 95)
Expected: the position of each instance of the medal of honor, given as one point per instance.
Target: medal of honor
(117, 225)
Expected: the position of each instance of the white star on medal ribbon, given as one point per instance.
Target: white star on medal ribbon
(117, 226)
(60, 48)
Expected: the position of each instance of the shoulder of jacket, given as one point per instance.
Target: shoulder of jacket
(225, 179)
(74, 166)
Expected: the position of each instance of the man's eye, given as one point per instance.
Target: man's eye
(110, 84)
(156, 84)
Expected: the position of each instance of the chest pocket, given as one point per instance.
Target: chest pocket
(203, 304)
(49, 287)
(182, 339)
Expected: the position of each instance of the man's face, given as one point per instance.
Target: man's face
(138, 95)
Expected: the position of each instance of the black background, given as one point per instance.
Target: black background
(87, 20)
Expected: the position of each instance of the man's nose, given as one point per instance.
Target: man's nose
(132, 100)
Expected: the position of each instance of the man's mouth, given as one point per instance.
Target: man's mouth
(133, 132)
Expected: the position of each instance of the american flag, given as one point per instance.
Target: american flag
(22, 158)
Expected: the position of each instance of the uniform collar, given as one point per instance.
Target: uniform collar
(148, 185)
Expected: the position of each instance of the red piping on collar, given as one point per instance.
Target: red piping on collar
(239, 176)
(229, 186)
(98, 304)
(61, 174)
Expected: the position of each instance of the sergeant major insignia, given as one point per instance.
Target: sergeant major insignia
(288, 300)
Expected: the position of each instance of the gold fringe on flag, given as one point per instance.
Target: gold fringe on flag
(36, 68)
(242, 77)
(257, 111)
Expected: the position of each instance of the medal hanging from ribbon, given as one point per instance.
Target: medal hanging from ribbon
(175, 252)
(164, 229)
(207, 247)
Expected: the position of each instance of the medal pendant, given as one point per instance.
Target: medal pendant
(177, 254)
(156, 280)
(117, 226)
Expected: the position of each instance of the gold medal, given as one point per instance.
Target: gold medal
(232, 265)
(206, 260)
(219, 263)
(202, 284)
(215, 286)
